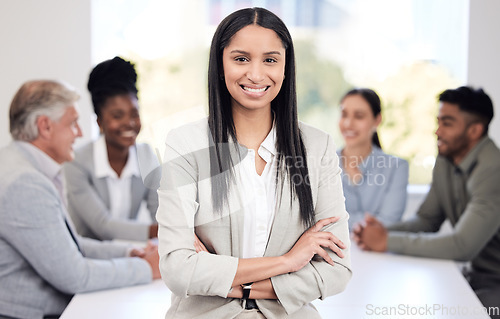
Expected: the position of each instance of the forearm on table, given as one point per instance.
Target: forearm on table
(417, 224)
(458, 244)
(390, 216)
(432, 245)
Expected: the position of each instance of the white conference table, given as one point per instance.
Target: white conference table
(383, 286)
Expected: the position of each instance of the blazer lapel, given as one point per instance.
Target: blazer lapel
(100, 183)
(136, 197)
(102, 189)
(236, 217)
(281, 221)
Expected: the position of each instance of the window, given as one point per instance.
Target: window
(407, 50)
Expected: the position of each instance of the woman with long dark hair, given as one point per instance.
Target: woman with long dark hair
(249, 196)
(374, 182)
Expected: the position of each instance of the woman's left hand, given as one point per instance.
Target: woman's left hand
(313, 242)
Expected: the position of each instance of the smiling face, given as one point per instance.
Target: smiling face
(119, 121)
(357, 123)
(254, 67)
(62, 134)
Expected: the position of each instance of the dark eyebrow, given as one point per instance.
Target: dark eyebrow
(265, 53)
(239, 51)
(272, 52)
(446, 117)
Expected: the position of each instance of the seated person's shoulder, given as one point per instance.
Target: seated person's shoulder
(83, 160)
(13, 166)
(84, 153)
(23, 181)
(490, 155)
(488, 163)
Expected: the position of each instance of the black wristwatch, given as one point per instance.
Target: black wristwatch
(246, 290)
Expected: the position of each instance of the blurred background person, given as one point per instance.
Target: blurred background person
(105, 188)
(374, 182)
(44, 262)
(465, 190)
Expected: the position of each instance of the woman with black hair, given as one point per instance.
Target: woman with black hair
(105, 187)
(260, 190)
(374, 182)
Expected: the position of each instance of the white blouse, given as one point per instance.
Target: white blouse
(118, 186)
(258, 194)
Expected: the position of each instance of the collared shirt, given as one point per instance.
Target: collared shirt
(258, 194)
(118, 186)
(459, 174)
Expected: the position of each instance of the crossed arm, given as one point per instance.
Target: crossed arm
(187, 271)
(260, 270)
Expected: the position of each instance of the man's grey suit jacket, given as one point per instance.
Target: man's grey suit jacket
(41, 266)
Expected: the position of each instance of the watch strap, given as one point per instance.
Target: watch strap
(246, 290)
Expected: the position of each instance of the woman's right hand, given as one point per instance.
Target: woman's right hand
(198, 245)
(312, 242)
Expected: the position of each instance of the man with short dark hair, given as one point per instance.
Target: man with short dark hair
(43, 261)
(465, 190)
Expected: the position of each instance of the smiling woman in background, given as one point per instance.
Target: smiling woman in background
(373, 181)
(105, 188)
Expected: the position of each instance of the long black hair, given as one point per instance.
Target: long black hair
(373, 100)
(291, 153)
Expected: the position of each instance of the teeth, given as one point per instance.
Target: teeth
(128, 134)
(254, 90)
(349, 134)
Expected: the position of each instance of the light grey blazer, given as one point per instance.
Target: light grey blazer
(89, 202)
(200, 282)
(40, 264)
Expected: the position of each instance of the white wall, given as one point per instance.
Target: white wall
(44, 39)
(483, 54)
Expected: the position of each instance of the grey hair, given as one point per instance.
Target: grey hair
(37, 98)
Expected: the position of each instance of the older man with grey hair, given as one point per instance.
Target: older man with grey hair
(44, 262)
